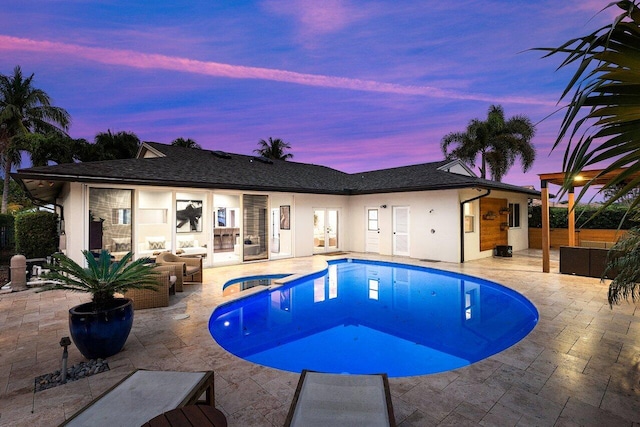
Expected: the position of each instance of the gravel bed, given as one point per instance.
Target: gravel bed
(75, 372)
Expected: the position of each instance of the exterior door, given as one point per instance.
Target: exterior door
(325, 230)
(372, 233)
(401, 230)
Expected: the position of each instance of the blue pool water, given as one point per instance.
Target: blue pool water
(364, 317)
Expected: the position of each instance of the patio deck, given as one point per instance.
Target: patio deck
(579, 366)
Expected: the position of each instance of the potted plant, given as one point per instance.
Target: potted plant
(100, 328)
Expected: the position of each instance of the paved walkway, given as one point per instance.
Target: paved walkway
(579, 366)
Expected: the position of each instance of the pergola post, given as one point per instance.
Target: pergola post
(546, 263)
(571, 219)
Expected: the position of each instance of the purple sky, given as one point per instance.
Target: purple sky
(354, 85)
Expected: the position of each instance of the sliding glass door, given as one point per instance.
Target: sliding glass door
(255, 227)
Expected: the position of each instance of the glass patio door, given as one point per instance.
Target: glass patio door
(325, 230)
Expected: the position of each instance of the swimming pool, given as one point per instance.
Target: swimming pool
(364, 317)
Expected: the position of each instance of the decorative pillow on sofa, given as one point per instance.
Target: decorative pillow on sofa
(123, 247)
(156, 244)
(121, 244)
(186, 243)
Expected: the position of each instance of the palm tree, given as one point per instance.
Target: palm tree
(602, 125)
(498, 142)
(120, 145)
(624, 258)
(273, 149)
(24, 109)
(51, 147)
(186, 143)
(602, 121)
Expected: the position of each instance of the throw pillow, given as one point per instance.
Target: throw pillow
(123, 247)
(186, 243)
(153, 245)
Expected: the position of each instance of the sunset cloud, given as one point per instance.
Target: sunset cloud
(128, 58)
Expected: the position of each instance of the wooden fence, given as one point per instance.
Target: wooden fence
(560, 236)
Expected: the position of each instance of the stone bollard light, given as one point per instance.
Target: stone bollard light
(18, 265)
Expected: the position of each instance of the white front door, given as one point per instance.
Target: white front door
(373, 231)
(401, 230)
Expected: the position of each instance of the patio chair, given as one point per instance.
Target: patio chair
(150, 298)
(341, 400)
(191, 267)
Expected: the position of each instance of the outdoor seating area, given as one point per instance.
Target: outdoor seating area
(168, 283)
(191, 266)
(577, 367)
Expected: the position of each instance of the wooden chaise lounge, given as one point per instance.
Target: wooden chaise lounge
(144, 395)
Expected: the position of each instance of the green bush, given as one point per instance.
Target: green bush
(7, 240)
(610, 218)
(36, 234)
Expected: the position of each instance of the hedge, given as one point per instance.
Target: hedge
(36, 234)
(610, 218)
(7, 238)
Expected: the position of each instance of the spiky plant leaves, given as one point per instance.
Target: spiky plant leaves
(102, 278)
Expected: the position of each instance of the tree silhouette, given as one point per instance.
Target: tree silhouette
(498, 142)
(273, 149)
(24, 109)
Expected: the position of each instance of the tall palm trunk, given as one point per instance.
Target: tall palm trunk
(5, 186)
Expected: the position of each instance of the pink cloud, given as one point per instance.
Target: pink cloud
(316, 18)
(134, 59)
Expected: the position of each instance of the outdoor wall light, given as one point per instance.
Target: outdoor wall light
(383, 206)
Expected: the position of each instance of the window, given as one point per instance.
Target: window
(514, 215)
(121, 216)
(469, 304)
(469, 218)
(374, 285)
(372, 216)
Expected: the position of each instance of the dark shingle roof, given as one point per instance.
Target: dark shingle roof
(186, 167)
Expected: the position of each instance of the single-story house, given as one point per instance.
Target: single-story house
(232, 208)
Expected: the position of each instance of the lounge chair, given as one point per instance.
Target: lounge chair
(150, 298)
(191, 267)
(341, 400)
(143, 395)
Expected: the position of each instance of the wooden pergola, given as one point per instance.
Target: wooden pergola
(594, 177)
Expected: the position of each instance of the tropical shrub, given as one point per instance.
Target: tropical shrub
(36, 234)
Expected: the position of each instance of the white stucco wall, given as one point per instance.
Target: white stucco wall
(287, 244)
(304, 207)
(75, 220)
(434, 221)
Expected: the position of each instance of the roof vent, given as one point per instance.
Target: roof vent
(221, 154)
(263, 160)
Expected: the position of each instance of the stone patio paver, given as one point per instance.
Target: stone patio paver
(579, 366)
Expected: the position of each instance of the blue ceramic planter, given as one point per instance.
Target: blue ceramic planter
(101, 334)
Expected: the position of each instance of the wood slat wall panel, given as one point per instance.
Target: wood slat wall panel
(560, 236)
(490, 232)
